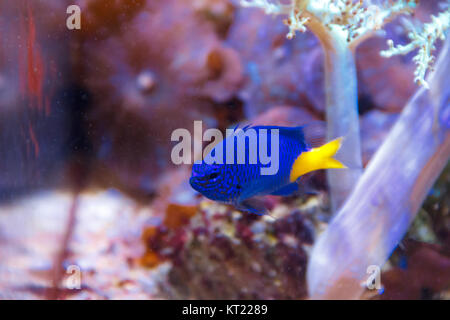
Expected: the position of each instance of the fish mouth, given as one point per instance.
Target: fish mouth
(198, 183)
(193, 181)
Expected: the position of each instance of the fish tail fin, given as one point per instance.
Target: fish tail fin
(317, 159)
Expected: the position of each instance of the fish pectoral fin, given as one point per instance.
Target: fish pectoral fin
(253, 205)
(286, 190)
(316, 159)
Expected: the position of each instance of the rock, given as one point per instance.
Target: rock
(224, 254)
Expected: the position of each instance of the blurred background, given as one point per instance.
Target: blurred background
(86, 178)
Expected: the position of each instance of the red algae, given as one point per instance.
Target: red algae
(35, 67)
(34, 140)
(33, 70)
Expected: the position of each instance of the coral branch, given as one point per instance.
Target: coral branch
(342, 118)
(387, 197)
(423, 40)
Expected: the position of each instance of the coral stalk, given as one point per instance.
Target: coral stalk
(342, 116)
(388, 196)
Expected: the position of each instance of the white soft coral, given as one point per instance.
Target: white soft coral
(354, 18)
(424, 40)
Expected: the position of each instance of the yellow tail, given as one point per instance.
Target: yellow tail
(316, 159)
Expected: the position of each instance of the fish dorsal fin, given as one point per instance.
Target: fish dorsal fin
(315, 133)
(295, 133)
(311, 135)
(236, 130)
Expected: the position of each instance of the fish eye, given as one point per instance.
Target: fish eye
(213, 175)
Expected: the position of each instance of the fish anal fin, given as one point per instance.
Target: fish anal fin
(253, 205)
(286, 190)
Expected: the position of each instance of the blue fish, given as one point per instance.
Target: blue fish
(241, 184)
